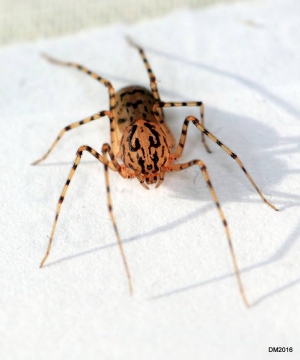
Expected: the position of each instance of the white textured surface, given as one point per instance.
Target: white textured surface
(35, 19)
(243, 62)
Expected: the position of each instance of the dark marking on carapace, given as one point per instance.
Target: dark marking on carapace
(141, 162)
(137, 144)
(155, 160)
(153, 143)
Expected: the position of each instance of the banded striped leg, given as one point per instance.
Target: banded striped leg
(148, 67)
(82, 122)
(162, 104)
(154, 90)
(113, 163)
(179, 167)
(111, 90)
(196, 122)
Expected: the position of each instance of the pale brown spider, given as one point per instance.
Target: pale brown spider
(142, 140)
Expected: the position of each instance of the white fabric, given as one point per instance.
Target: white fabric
(242, 61)
(35, 19)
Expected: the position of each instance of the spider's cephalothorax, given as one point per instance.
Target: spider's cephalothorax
(145, 150)
(145, 144)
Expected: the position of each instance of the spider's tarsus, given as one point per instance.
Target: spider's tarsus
(44, 55)
(246, 303)
(43, 262)
(49, 58)
(131, 42)
(206, 147)
(272, 206)
(130, 290)
(38, 161)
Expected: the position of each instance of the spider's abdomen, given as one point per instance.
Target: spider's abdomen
(133, 103)
(144, 147)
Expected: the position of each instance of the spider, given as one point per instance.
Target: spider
(144, 143)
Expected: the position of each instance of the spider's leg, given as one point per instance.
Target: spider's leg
(179, 149)
(162, 104)
(179, 167)
(113, 164)
(155, 92)
(82, 122)
(111, 90)
(148, 68)
(232, 154)
(204, 131)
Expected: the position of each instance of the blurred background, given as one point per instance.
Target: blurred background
(25, 20)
